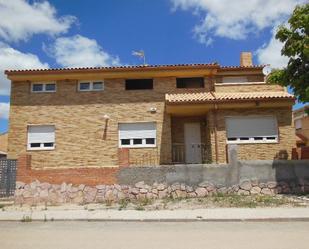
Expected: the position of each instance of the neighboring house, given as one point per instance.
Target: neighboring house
(301, 123)
(3, 145)
(160, 114)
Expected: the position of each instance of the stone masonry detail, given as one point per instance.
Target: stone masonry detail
(54, 194)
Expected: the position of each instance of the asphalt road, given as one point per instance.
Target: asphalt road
(148, 235)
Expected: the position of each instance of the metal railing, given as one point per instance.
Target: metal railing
(178, 153)
(7, 177)
(198, 150)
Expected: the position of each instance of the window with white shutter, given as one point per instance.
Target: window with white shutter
(137, 134)
(41, 137)
(257, 129)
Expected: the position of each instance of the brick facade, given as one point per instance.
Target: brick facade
(87, 144)
(265, 151)
(87, 176)
(83, 136)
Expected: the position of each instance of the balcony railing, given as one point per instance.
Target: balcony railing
(178, 153)
(199, 152)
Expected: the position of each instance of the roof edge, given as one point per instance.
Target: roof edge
(115, 68)
(130, 68)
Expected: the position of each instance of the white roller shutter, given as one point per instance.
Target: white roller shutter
(137, 130)
(41, 134)
(251, 127)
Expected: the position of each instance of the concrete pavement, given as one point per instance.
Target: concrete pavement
(215, 214)
(154, 235)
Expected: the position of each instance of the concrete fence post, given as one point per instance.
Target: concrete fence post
(233, 172)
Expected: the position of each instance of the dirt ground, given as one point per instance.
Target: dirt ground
(216, 201)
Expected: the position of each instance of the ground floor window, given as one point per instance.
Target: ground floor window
(252, 129)
(41, 137)
(136, 135)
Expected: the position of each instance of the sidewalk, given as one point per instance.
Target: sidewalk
(216, 214)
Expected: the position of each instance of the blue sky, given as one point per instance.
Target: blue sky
(57, 33)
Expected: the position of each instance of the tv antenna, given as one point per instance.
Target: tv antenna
(141, 55)
(266, 70)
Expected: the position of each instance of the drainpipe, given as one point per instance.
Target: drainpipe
(215, 125)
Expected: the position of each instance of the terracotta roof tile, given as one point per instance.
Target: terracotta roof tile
(242, 67)
(115, 67)
(252, 95)
(228, 96)
(189, 97)
(165, 66)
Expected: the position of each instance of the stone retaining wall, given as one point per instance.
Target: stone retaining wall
(176, 181)
(55, 194)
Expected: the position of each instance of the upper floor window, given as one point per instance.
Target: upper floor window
(90, 86)
(41, 137)
(197, 82)
(43, 87)
(234, 79)
(139, 84)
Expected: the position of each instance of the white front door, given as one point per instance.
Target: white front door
(193, 142)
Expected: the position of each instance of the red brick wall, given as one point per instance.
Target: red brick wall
(304, 152)
(300, 153)
(123, 157)
(87, 176)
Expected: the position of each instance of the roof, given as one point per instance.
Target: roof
(213, 97)
(134, 67)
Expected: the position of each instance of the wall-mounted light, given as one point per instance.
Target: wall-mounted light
(153, 110)
(106, 117)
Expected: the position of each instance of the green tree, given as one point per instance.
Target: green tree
(296, 47)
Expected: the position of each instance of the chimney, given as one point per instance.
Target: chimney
(245, 59)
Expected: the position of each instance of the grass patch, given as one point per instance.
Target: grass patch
(142, 203)
(123, 203)
(108, 203)
(26, 218)
(242, 201)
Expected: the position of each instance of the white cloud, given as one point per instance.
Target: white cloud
(4, 110)
(271, 53)
(11, 58)
(21, 19)
(235, 19)
(79, 51)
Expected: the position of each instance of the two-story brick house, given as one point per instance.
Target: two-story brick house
(147, 115)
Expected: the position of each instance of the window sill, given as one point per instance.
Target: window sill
(101, 90)
(40, 149)
(253, 142)
(43, 92)
(240, 83)
(137, 146)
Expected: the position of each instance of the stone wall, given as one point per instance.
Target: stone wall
(239, 177)
(55, 194)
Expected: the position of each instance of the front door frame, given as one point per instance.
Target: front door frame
(192, 139)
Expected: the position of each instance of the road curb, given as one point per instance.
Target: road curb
(299, 219)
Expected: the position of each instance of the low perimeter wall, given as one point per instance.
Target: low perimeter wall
(176, 181)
